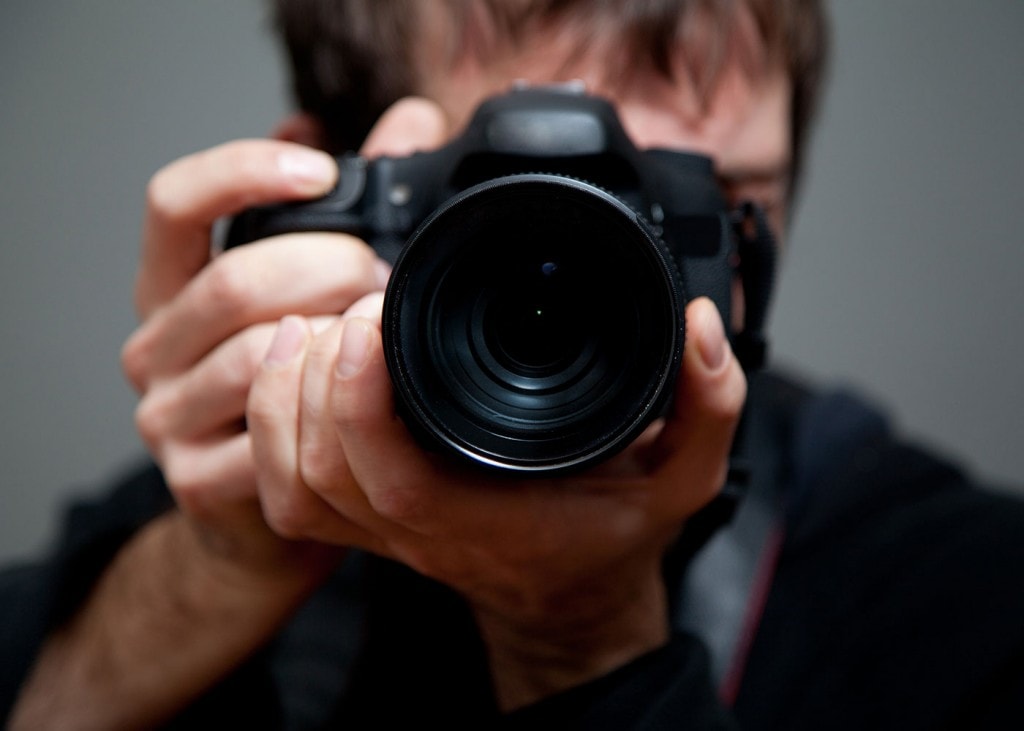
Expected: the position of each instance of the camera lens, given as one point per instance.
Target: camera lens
(531, 327)
(534, 323)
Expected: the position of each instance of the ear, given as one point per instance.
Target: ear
(302, 128)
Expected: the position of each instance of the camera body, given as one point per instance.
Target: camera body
(534, 320)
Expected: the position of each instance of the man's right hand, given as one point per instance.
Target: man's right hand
(207, 322)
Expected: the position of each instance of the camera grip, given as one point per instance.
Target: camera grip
(340, 211)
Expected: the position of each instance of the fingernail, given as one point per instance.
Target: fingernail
(287, 343)
(711, 341)
(355, 344)
(310, 170)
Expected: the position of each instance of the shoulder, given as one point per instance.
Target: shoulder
(900, 583)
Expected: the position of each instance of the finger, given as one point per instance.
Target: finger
(207, 398)
(697, 437)
(375, 440)
(405, 487)
(324, 458)
(409, 125)
(321, 460)
(211, 396)
(290, 508)
(369, 307)
(187, 196)
(420, 500)
(209, 478)
(323, 468)
(296, 274)
(215, 486)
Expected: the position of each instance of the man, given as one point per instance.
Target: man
(272, 421)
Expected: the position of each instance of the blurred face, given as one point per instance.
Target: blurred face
(743, 124)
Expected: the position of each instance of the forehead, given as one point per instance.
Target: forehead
(742, 120)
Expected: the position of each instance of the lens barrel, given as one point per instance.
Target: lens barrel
(534, 323)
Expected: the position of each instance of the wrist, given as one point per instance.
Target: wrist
(280, 571)
(574, 641)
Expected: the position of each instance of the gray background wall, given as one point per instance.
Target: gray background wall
(905, 276)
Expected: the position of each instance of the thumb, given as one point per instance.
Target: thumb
(709, 399)
(409, 125)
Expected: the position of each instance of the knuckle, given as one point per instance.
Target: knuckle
(398, 504)
(317, 463)
(251, 173)
(162, 196)
(285, 524)
(288, 516)
(347, 416)
(167, 192)
(229, 284)
(135, 361)
(190, 491)
(150, 420)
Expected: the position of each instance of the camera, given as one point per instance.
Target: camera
(534, 318)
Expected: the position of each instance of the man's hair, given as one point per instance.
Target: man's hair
(351, 59)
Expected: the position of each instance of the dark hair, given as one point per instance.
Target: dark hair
(351, 59)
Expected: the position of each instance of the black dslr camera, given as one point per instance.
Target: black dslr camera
(534, 320)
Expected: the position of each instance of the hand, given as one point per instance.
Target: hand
(563, 574)
(207, 322)
(194, 355)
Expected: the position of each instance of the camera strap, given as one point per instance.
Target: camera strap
(758, 253)
(801, 444)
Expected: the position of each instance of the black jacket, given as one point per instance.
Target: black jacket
(863, 584)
